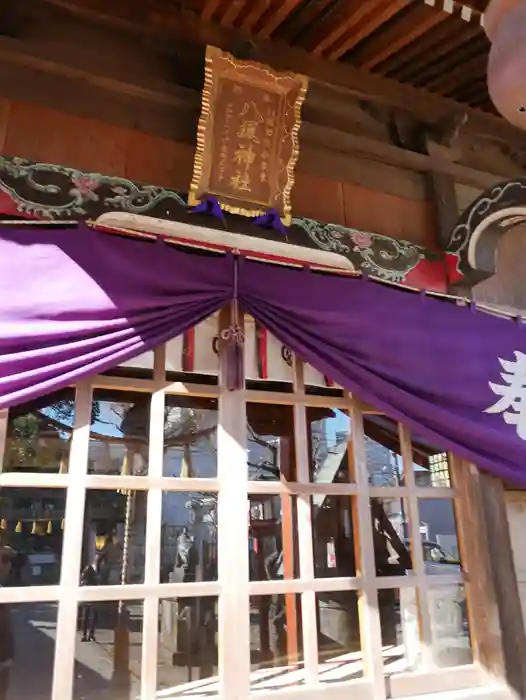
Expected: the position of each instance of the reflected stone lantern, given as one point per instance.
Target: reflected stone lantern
(505, 26)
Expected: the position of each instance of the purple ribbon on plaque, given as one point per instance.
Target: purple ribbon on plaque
(270, 220)
(209, 206)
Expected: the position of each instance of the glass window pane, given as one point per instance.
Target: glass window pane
(383, 451)
(32, 529)
(339, 650)
(439, 536)
(108, 650)
(119, 433)
(329, 437)
(189, 537)
(187, 663)
(400, 630)
(190, 437)
(276, 648)
(333, 536)
(449, 626)
(430, 464)
(270, 442)
(39, 435)
(273, 538)
(27, 650)
(113, 537)
(389, 517)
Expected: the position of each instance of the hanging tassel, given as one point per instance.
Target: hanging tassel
(211, 207)
(18, 528)
(269, 221)
(3, 524)
(233, 339)
(49, 530)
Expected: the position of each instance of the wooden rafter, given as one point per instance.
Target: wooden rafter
(232, 12)
(397, 37)
(189, 27)
(209, 9)
(371, 22)
(336, 24)
(275, 16)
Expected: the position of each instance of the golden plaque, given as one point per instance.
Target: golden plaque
(247, 137)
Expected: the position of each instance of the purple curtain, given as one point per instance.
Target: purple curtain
(74, 301)
(427, 362)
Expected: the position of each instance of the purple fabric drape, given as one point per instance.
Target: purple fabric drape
(426, 362)
(76, 301)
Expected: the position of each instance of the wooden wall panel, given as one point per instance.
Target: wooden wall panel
(152, 159)
(5, 107)
(318, 198)
(390, 215)
(48, 135)
(42, 134)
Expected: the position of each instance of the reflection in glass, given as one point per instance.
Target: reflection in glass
(188, 537)
(391, 536)
(190, 437)
(120, 432)
(270, 431)
(439, 535)
(333, 536)
(39, 435)
(114, 534)
(449, 626)
(108, 665)
(430, 464)
(27, 650)
(273, 543)
(329, 444)
(400, 630)
(383, 451)
(276, 648)
(339, 649)
(187, 662)
(32, 527)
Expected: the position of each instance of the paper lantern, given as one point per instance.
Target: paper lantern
(3, 524)
(505, 26)
(18, 528)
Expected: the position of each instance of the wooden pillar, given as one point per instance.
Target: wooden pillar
(495, 613)
(289, 532)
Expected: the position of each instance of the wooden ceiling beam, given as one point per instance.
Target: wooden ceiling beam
(421, 52)
(275, 16)
(433, 75)
(337, 23)
(397, 37)
(314, 12)
(187, 27)
(463, 74)
(209, 9)
(460, 46)
(253, 13)
(375, 19)
(233, 10)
